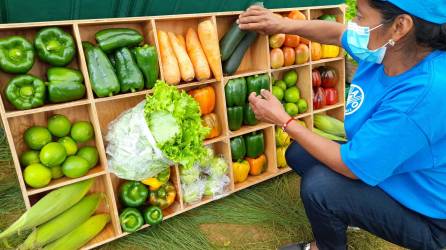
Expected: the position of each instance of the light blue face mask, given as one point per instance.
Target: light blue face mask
(358, 38)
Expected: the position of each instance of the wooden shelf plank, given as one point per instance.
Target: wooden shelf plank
(327, 60)
(290, 67)
(334, 106)
(244, 74)
(47, 108)
(195, 84)
(215, 140)
(248, 129)
(123, 96)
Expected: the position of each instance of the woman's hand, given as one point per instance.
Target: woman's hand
(262, 20)
(268, 109)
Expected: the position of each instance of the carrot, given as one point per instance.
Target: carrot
(186, 67)
(169, 62)
(181, 40)
(209, 40)
(197, 56)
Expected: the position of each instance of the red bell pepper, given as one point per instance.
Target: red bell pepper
(329, 77)
(331, 96)
(319, 98)
(316, 76)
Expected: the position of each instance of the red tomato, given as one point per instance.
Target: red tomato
(319, 98)
(329, 77)
(331, 96)
(291, 41)
(316, 78)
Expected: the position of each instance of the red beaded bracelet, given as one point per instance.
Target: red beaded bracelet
(287, 123)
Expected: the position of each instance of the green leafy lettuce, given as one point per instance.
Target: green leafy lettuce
(173, 118)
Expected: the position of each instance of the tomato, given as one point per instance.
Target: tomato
(289, 55)
(329, 76)
(316, 78)
(277, 58)
(276, 41)
(291, 40)
(304, 41)
(331, 96)
(319, 98)
(302, 54)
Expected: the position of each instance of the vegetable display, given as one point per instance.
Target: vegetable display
(153, 215)
(329, 125)
(16, 54)
(255, 144)
(197, 56)
(54, 46)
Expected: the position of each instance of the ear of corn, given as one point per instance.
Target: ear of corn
(329, 136)
(64, 223)
(81, 235)
(51, 205)
(329, 125)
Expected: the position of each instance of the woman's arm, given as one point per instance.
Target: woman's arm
(269, 109)
(262, 20)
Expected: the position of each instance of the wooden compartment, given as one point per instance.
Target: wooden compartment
(256, 57)
(106, 206)
(19, 125)
(39, 68)
(270, 153)
(339, 66)
(88, 30)
(303, 84)
(179, 26)
(315, 13)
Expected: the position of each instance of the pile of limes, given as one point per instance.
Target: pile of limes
(288, 93)
(54, 151)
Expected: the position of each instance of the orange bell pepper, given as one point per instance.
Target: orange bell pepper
(205, 97)
(211, 121)
(257, 165)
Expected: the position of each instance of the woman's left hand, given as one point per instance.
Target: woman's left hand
(268, 109)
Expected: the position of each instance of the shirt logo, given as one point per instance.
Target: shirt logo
(354, 100)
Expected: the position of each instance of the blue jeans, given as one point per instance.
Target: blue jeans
(334, 202)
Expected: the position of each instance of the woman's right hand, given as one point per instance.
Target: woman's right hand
(261, 20)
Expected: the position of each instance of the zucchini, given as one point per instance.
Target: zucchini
(232, 64)
(230, 41)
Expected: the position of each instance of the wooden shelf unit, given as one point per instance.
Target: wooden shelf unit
(101, 111)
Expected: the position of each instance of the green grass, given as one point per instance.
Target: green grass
(265, 216)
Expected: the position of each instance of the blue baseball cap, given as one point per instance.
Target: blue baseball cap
(433, 11)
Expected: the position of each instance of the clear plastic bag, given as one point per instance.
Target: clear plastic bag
(132, 153)
(193, 193)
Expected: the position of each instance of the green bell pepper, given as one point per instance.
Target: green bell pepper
(257, 83)
(129, 75)
(255, 144)
(102, 75)
(328, 17)
(115, 38)
(249, 117)
(62, 91)
(65, 84)
(147, 60)
(153, 215)
(57, 74)
(133, 193)
(238, 149)
(235, 92)
(112, 59)
(54, 46)
(16, 55)
(235, 117)
(26, 92)
(131, 220)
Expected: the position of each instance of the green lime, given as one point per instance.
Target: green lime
(69, 144)
(82, 131)
(53, 154)
(281, 84)
(36, 137)
(90, 154)
(56, 172)
(302, 105)
(37, 175)
(59, 125)
(278, 92)
(291, 109)
(292, 95)
(290, 78)
(29, 157)
(75, 166)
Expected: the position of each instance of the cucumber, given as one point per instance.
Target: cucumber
(230, 41)
(232, 64)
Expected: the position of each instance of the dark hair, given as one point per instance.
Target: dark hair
(426, 33)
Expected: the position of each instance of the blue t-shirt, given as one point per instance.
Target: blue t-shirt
(397, 132)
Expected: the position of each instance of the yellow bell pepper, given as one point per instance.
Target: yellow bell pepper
(281, 160)
(240, 170)
(330, 51)
(155, 183)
